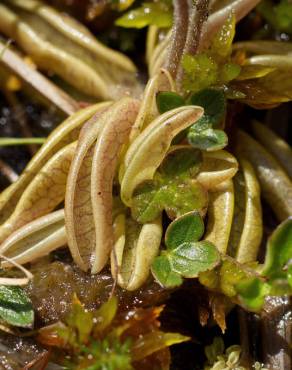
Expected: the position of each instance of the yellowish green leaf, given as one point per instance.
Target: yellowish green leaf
(148, 150)
(173, 188)
(158, 14)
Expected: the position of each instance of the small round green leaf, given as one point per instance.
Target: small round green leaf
(183, 163)
(185, 229)
(189, 259)
(214, 103)
(163, 273)
(209, 139)
(168, 100)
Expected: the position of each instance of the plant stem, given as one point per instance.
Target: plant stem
(9, 141)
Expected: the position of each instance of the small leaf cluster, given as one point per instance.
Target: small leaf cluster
(276, 274)
(213, 67)
(15, 307)
(250, 284)
(224, 277)
(105, 339)
(185, 255)
(173, 188)
(206, 133)
(220, 359)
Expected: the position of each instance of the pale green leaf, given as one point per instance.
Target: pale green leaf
(158, 14)
(221, 46)
(201, 71)
(106, 313)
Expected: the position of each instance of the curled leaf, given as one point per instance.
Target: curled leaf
(275, 145)
(88, 204)
(35, 239)
(220, 215)
(75, 55)
(221, 45)
(104, 162)
(217, 167)
(247, 228)
(147, 152)
(135, 248)
(36, 80)
(7, 281)
(275, 184)
(148, 111)
(64, 134)
(162, 81)
(45, 192)
(78, 209)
